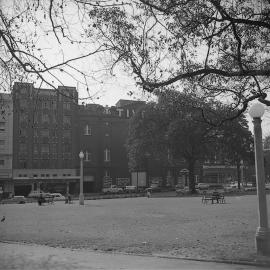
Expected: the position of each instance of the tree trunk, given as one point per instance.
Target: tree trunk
(191, 166)
(238, 168)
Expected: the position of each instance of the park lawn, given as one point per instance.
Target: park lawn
(177, 226)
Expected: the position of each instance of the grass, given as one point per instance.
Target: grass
(178, 226)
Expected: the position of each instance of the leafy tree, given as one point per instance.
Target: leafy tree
(174, 123)
(215, 48)
(236, 144)
(37, 38)
(177, 122)
(266, 142)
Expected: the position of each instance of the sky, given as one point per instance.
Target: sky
(104, 88)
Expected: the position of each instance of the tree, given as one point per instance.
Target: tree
(37, 38)
(213, 48)
(218, 49)
(236, 144)
(173, 124)
(266, 142)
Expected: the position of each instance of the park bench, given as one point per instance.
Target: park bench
(213, 197)
(46, 199)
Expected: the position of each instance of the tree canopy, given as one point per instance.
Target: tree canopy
(212, 48)
(217, 49)
(176, 126)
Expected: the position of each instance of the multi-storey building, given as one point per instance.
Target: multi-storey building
(6, 127)
(102, 135)
(44, 137)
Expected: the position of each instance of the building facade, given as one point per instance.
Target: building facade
(44, 137)
(6, 138)
(102, 135)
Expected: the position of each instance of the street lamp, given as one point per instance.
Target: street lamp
(81, 197)
(262, 238)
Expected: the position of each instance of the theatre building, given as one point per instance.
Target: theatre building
(49, 131)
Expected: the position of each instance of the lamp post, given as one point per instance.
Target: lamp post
(81, 197)
(262, 237)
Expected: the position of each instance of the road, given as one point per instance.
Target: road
(37, 257)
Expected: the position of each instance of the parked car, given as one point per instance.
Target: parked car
(36, 194)
(182, 190)
(210, 187)
(15, 199)
(130, 189)
(58, 197)
(155, 188)
(112, 189)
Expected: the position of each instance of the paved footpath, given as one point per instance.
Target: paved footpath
(36, 257)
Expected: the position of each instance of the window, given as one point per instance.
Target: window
(54, 105)
(2, 126)
(23, 103)
(45, 105)
(66, 106)
(67, 134)
(44, 133)
(88, 156)
(107, 173)
(35, 149)
(54, 118)
(54, 148)
(22, 164)
(35, 133)
(67, 148)
(2, 162)
(45, 148)
(35, 119)
(54, 133)
(45, 118)
(107, 154)
(23, 118)
(22, 148)
(87, 130)
(67, 121)
(22, 132)
(35, 166)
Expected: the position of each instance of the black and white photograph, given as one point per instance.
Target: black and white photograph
(134, 134)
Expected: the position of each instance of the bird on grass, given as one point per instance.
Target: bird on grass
(3, 219)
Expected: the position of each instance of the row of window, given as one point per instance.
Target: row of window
(46, 149)
(44, 175)
(47, 104)
(2, 126)
(45, 164)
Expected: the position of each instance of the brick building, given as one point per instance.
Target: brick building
(44, 137)
(102, 135)
(6, 129)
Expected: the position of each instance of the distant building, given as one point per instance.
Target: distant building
(6, 136)
(267, 165)
(44, 137)
(102, 136)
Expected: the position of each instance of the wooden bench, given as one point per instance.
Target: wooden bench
(47, 199)
(213, 197)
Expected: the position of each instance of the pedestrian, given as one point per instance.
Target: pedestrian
(69, 198)
(148, 194)
(40, 199)
(66, 198)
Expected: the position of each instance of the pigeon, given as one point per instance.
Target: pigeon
(3, 219)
